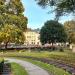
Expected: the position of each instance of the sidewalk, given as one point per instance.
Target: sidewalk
(31, 69)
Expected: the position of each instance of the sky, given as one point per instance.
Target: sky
(37, 16)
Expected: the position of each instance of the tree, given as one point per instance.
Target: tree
(19, 21)
(11, 12)
(11, 34)
(70, 30)
(12, 21)
(61, 7)
(15, 7)
(52, 32)
(1, 37)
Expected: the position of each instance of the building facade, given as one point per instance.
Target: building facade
(32, 38)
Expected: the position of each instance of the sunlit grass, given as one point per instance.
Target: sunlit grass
(66, 56)
(17, 69)
(52, 70)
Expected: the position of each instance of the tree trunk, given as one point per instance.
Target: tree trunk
(6, 45)
(0, 46)
(52, 46)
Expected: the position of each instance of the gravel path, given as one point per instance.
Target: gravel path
(31, 69)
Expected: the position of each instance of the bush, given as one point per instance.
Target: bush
(61, 49)
(1, 65)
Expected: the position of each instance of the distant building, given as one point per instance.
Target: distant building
(32, 37)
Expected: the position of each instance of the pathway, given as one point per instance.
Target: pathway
(31, 68)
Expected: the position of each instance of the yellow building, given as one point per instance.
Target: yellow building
(32, 38)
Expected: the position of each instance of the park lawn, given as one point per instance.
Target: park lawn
(67, 57)
(52, 70)
(17, 69)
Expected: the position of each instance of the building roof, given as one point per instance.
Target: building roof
(33, 30)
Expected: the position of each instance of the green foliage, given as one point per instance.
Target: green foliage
(12, 21)
(17, 69)
(61, 7)
(15, 7)
(66, 57)
(70, 30)
(11, 33)
(1, 37)
(11, 7)
(19, 21)
(1, 65)
(11, 12)
(50, 68)
(52, 32)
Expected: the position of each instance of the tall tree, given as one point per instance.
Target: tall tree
(15, 7)
(11, 34)
(70, 30)
(61, 7)
(12, 21)
(11, 12)
(52, 32)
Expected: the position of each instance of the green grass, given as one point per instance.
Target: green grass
(50, 68)
(1, 59)
(67, 57)
(17, 69)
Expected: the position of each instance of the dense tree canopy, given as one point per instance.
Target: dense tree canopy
(12, 21)
(11, 33)
(70, 29)
(11, 12)
(11, 7)
(61, 7)
(19, 21)
(52, 32)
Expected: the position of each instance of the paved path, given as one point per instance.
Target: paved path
(31, 69)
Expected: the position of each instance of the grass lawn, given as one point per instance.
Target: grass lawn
(17, 69)
(50, 68)
(67, 56)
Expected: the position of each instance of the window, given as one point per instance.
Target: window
(38, 37)
(38, 43)
(28, 36)
(33, 43)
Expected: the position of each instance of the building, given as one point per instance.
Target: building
(32, 38)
